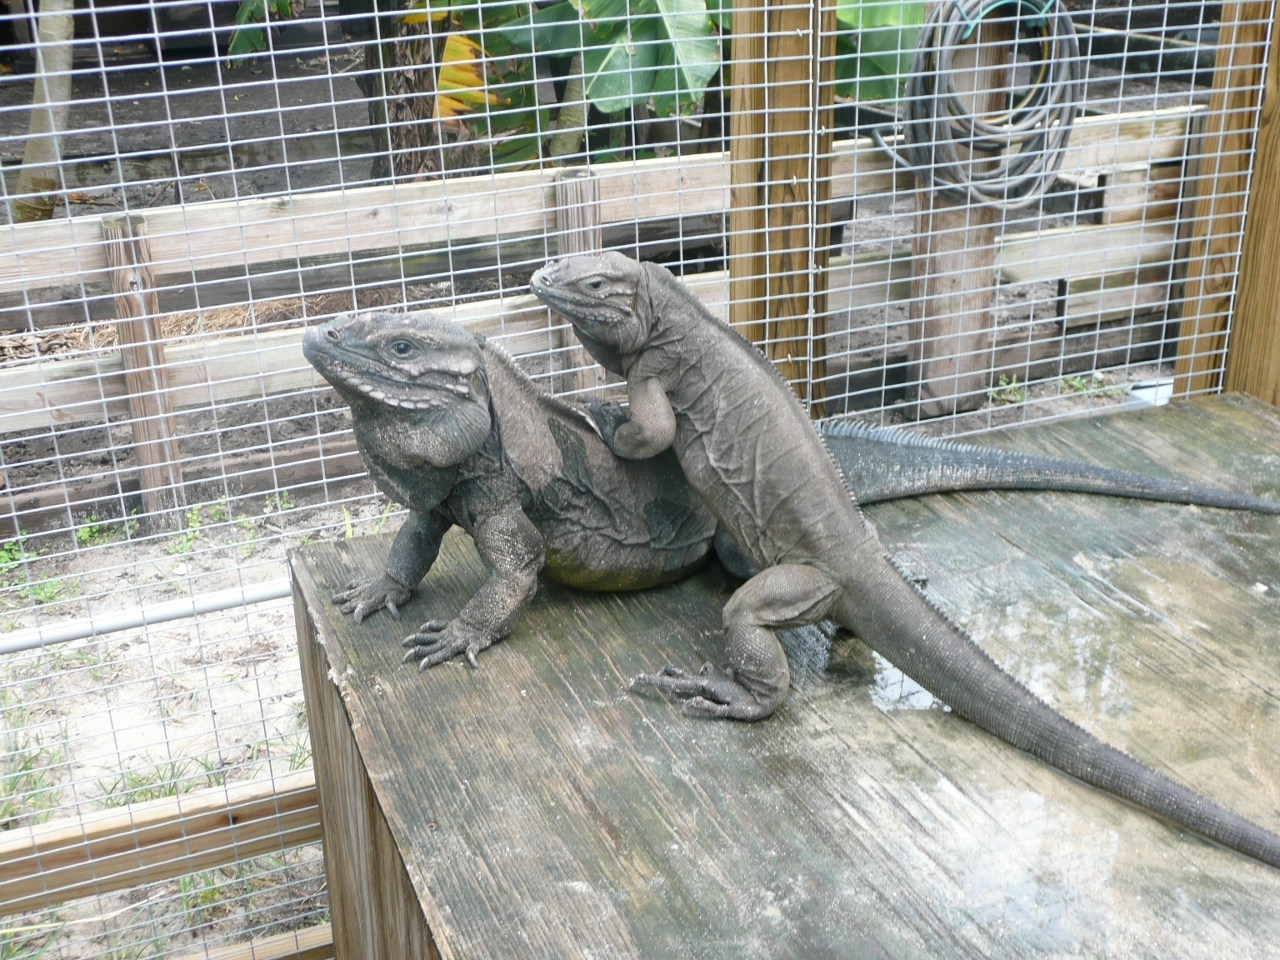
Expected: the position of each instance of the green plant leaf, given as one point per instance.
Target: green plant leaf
(554, 30)
(620, 75)
(690, 56)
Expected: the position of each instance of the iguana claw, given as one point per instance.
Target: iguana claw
(435, 643)
(363, 597)
(711, 692)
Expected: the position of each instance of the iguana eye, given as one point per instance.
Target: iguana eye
(403, 348)
(595, 284)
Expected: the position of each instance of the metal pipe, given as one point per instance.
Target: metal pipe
(35, 637)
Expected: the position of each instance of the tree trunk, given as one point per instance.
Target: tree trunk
(39, 180)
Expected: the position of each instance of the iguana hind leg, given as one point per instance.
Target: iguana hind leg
(757, 678)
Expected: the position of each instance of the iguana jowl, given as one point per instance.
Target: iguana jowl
(748, 447)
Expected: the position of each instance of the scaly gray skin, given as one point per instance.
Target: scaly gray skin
(449, 427)
(886, 464)
(748, 447)
(582, 497)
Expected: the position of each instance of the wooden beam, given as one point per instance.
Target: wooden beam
(375, 910)
(309, 943)
(51, 863)
(579, 230)
(1225, 155)
(244, 235)
(52, 395)
(1253, 352)
(780, 161)
(955, 251)
(146, 373)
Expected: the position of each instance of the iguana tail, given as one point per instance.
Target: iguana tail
(887, 464)
(904, 627)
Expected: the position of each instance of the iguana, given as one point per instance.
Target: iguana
(449, 427)
(605, 523)
(747, 446)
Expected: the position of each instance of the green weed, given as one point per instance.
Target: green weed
(28, 787)
(277, 502)
(1007, 391)
(186, 539)
(94, 531)
(155, 781)
(1094, 384)
(386, 515)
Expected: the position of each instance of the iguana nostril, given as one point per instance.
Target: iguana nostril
(333, 335)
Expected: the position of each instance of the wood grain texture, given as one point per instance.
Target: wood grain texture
(578, 231)
(542, 810)
(1253, 352)
(309, 943)
(333, 226)
(52, 863)
(155, 438)
(1221, 190)
(954, 253)
(780, 159)
(374, 912)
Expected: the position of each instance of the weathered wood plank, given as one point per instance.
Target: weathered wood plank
(542, 809)
(309, 943)
(1221, 192)
(52, 863)
(1253, 353)
(954, 267)
(375, 913)
(310, 227)
(49, 395)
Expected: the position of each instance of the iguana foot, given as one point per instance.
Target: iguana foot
(608, 417)
(711, 692)
(438, 641)
(363, 597)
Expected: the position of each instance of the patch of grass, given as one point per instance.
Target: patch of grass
(29, 940)
(1007, 391)
(44, 591)
(1093, 384)
(386, 515)
(154, 781)
(185, 540)
(28, 786)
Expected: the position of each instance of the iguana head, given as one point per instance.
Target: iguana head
(599, 295)
(418, 370)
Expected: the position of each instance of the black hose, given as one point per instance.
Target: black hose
(1027, 142)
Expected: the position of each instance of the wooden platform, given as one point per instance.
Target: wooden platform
(535, 808)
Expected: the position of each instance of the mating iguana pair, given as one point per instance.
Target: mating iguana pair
(450, 428)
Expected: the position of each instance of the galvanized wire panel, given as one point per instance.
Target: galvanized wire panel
(210, 190)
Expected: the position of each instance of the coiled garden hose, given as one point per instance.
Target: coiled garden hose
(1020, 149)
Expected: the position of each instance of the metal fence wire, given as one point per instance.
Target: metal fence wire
(188, 184)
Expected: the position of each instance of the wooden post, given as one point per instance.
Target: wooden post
(578, 230)
(1220, 192)
(373, 906)
(780, 181)
(954, 253)
(1253, 354)
(150, 408)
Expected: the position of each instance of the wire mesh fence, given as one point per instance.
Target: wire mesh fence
(186, 185)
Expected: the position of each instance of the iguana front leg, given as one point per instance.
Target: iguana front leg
(413, 551)
(512, 548)
(757, 678)
(651, 426)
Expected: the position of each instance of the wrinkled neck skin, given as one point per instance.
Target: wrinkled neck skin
(617, 344)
